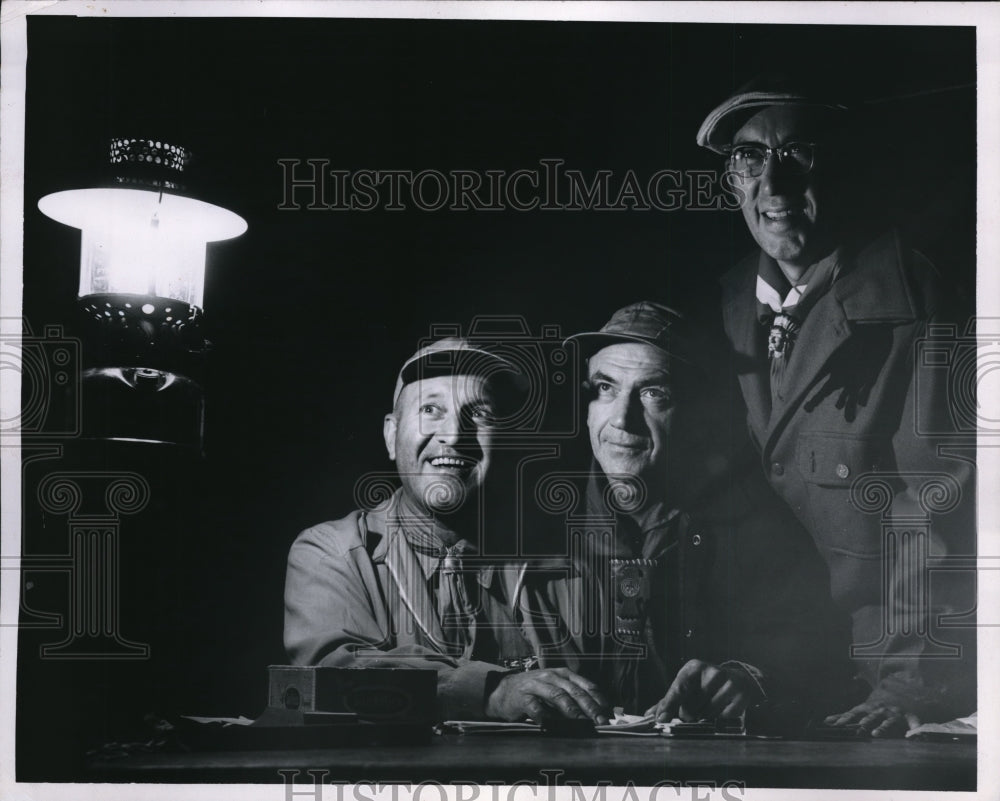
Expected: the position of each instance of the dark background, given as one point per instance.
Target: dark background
(311, 312)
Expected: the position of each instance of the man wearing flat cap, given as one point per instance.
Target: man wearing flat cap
(712, 597)
(824, 325)
(400, 585)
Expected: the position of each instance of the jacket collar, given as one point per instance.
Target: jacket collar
(646, 533)
(876, 290)
(748, 341)
(873, 290)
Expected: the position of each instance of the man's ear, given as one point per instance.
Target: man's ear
(389, 433)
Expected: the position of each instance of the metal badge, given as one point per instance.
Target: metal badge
(630, 579)
(782, 336)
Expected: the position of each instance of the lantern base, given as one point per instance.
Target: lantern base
(142, 404)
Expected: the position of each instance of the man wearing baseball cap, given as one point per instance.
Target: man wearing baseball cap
(825, 324)
(715, 598)
(399, 585)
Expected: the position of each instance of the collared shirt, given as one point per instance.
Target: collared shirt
(776, 293)
(411, 580)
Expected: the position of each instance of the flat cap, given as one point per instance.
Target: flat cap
(770, 89)
(647, 322)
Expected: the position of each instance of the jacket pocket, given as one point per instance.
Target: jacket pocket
(836, 460)
(830, 463)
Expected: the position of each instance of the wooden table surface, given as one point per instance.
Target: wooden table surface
(478, 758)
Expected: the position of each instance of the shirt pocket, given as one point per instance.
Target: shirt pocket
(836, 460)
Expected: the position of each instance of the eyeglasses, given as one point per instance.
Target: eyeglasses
(750, 160)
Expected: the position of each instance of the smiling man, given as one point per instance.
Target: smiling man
(825, 324)
(400, 585)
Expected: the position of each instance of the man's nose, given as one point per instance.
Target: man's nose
(453, 428)
(625, 411)
(776, 178)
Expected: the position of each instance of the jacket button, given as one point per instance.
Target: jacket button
(778, 468)
(696, 539)
(843, 471)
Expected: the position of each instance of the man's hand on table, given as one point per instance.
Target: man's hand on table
(546, 694)
(702, 690)
(881, 719)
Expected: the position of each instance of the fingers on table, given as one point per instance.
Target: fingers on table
(850, 716)
(892, 726)
(670, 704)
(571, 699)
(889, 723)
(727, 692)
(597, 700)
(683, 692)
(706, 691)
(535, 709)
(896, 724)
(735, 707)
(879, 721)
(659, 711)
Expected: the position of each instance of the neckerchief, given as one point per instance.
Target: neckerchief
(451, 627)
(782, 306)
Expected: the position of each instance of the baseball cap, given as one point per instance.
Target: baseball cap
(770, 89)
(651, 323)
(450, 356)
